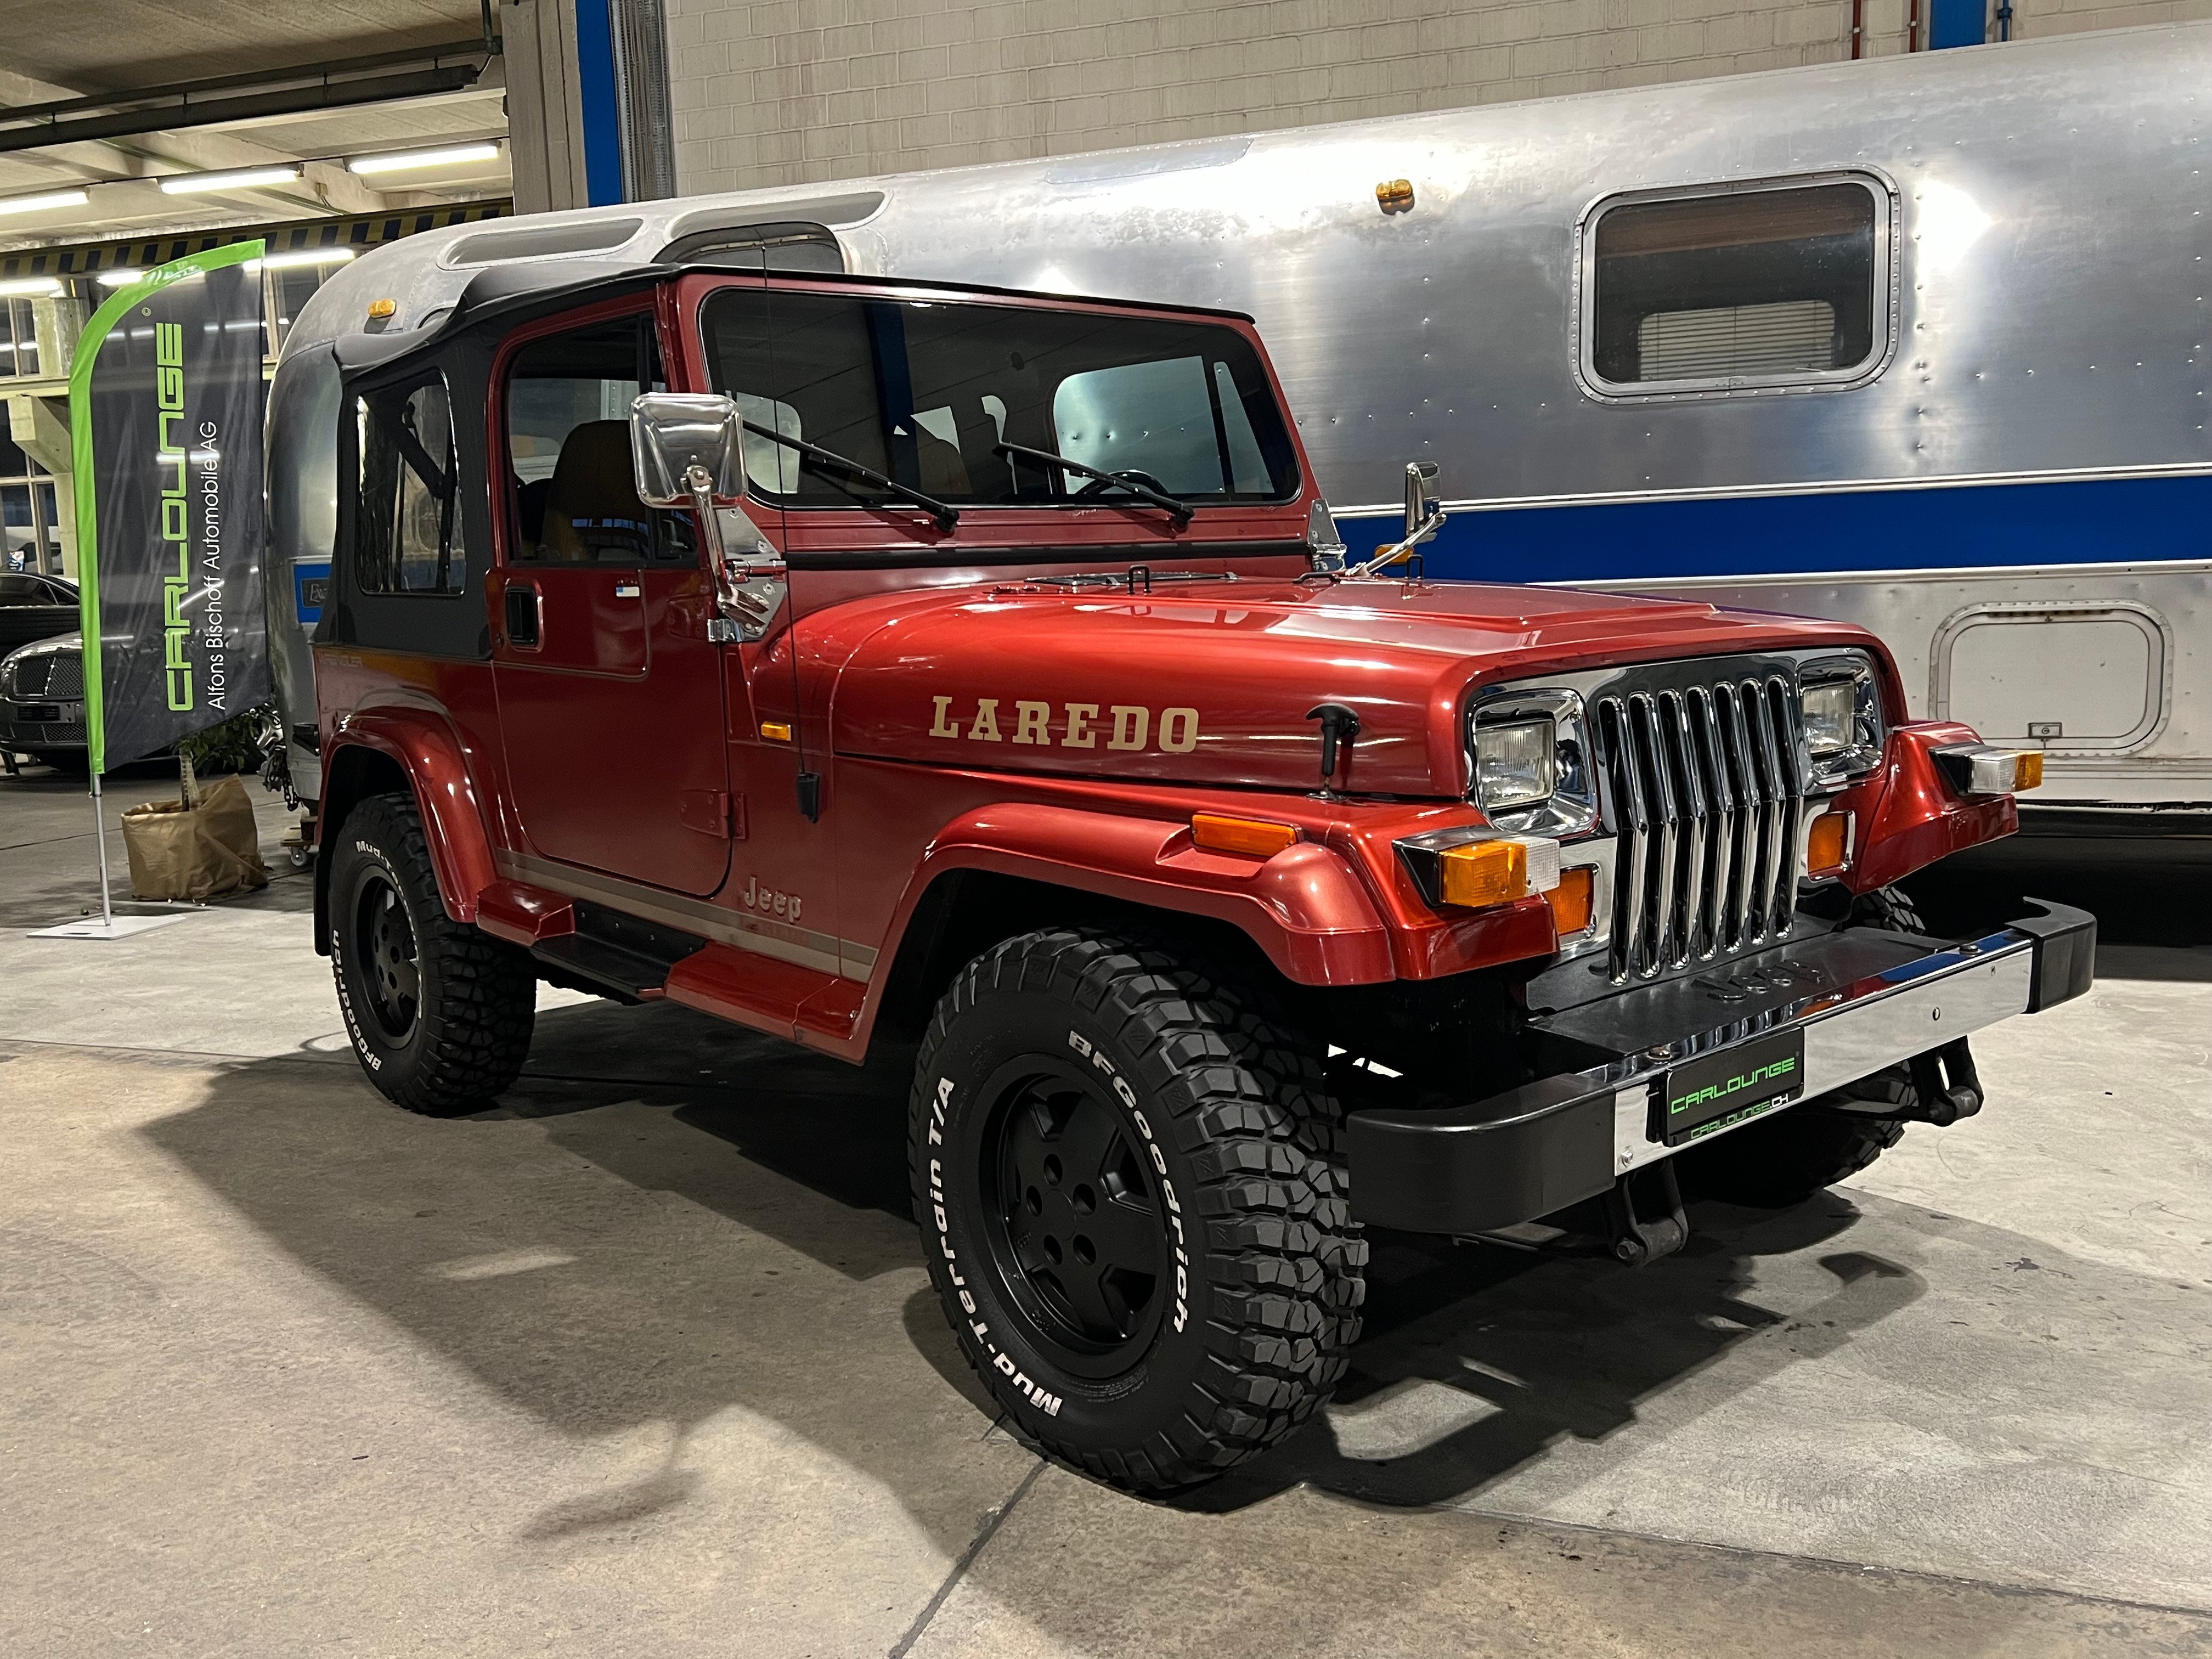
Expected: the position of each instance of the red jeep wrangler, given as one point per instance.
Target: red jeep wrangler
(864, 662)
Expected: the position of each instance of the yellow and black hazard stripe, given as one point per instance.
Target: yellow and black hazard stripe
(90, 258)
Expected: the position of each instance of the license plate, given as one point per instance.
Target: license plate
(1706, 1095)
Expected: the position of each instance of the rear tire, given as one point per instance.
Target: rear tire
(1791, 1155)
(1134, 1207)
(440, 1013)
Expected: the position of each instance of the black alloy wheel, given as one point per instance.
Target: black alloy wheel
(1075, 1230)
(1133, 1205)
(383, 943)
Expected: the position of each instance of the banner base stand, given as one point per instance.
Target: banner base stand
(106, 927)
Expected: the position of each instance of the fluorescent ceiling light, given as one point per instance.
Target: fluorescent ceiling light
(41, 288)
(196, 184)
(423, 158)
(59, 198)
(301, 256)
(120, 276)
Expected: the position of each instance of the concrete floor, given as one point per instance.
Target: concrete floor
(645, 1362)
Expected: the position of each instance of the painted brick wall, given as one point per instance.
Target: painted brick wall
(779, 92)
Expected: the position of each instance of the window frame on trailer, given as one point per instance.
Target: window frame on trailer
(1883, 316)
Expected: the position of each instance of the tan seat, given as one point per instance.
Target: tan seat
(593, 514)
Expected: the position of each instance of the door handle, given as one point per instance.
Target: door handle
(627, 590)
(521, 602)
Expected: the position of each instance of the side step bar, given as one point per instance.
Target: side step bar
(616, 954)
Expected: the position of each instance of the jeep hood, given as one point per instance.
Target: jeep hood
(1211, 683)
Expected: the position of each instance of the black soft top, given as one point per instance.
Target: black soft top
(512, 293)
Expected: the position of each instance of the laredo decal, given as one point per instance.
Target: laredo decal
(1078, 726)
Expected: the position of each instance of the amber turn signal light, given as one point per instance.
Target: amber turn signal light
(1473, 868)
(1982, 768)
(1256, 837)
(775, 731)
(1828, 844)
(1571, 901)
(1486, 872)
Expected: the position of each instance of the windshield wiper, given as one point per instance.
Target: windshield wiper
(946, 516)
(1180, 510)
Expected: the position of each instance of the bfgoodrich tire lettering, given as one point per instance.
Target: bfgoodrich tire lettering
(1182, 1110)
(439, 1014)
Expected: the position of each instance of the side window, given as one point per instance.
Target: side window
(1739, 289)
(407, 534)
(572, 492)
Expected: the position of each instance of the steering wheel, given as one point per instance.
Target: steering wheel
(1122, 480)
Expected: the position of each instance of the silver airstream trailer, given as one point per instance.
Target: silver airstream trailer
(1917, 341)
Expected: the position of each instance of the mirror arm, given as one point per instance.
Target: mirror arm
(1392, 552)
(744, 617)
(703, 500)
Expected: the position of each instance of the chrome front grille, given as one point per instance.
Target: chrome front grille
(1706, 789)
(64, 675)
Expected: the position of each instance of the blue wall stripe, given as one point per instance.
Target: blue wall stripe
(595, 86)
(1958, 23)
(2092, 521)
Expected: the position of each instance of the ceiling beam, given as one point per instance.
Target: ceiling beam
(78, 102)
(170, 118)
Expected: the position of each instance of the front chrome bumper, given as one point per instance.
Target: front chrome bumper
(1864, 999)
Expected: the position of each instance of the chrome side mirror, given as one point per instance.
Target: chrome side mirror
(687, 448)
(1424, 516)
(1425, 508)
(685, 445)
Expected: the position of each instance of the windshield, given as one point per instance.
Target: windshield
(926, 391)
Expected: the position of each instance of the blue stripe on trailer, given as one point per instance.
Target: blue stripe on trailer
(2087, 522)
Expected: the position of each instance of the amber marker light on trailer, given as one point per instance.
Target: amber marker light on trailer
(1983, 769)
(380, 309)
(1570, 900)
(1219, 834)
(1828, 844)
(1475, 869)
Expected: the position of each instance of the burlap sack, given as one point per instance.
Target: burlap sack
(202, 852)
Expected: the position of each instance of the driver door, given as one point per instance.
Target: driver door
(611, 694)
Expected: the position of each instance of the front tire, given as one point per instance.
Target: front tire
(1132, 1207)
(440, 1013)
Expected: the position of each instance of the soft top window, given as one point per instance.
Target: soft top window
(928, 392)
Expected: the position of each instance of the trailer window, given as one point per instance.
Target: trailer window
(927, 391)
(1768, 287)
(407, 534)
